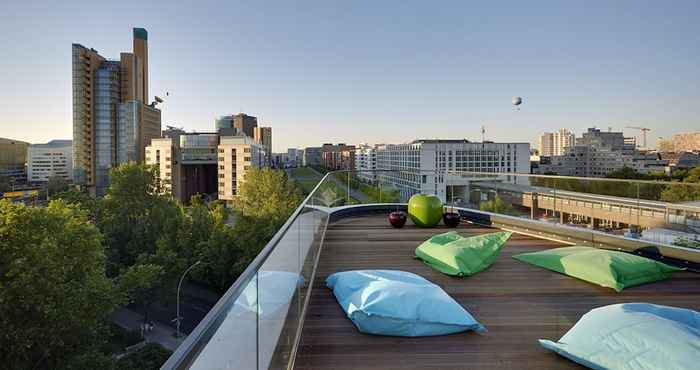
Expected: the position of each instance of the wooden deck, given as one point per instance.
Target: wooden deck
(518, 303)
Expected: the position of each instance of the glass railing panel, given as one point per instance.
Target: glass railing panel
(227, 344)
(284, 281)
(330, 192)
(279, 281)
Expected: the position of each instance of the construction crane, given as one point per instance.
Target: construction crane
(644, 131)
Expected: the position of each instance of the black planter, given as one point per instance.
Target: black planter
(397, 219)
(451, 219)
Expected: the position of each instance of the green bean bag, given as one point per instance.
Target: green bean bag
(612, 269)
(453, 254)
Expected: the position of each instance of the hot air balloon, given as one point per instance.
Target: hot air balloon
(517, 101)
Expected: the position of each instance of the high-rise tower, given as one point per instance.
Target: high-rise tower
(112, 120)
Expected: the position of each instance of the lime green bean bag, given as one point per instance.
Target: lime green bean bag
(453, 254)
(612, 269)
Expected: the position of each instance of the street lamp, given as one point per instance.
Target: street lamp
(179, 318)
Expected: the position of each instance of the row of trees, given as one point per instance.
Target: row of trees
(64, 268)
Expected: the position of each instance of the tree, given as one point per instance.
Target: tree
(81, 199)
(626, 173)
(265, 202)
(267, 195)
(150, 357)
(497, 205)
(134, 215)
(140, 283)
(54, 185)
(689, 190)
(5, 184)
(54, 295)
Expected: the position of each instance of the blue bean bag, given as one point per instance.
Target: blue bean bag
(398, 303)
(639, 336)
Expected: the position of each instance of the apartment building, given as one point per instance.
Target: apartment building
(236, 155)
(338, 157)
(366, 162)
(203, 163)
(555, 143)
(53, 159)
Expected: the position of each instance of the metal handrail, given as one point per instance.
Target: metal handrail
(520, 174)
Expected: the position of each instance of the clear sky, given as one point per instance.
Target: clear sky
(369, 71)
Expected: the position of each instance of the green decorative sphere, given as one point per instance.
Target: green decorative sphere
(425, 210)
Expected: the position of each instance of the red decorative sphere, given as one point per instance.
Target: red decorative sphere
(451, 219)
(397, 219)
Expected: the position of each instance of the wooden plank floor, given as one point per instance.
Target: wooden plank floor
(518, 303)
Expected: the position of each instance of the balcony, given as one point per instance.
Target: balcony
(342, 226)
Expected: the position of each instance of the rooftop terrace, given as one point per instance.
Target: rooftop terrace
(518, 303)
(279, 314)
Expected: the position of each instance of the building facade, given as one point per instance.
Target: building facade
(294, 157)
(263, 136)
(338, 157)
(53, 159)
(237, 124)
(423, 166)
(615, 141)
(366, 162)
(586, 161)
(236, 155)
(203, 163)
(311, 156)
(13, 160)
(686, 142)
(112, 119)
(555, 143)
(162, 154)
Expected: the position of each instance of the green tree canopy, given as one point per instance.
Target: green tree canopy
(56, 184)
(54, 295)
(497, 205)
(135, 214)
(267, 195)
(682, 192)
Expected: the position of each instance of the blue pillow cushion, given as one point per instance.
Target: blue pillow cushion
(639, 336)
(389, 302)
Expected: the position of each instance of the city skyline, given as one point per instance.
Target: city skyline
(349, 75)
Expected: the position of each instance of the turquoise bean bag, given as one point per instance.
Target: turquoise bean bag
(633, 336)
(398, 303)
